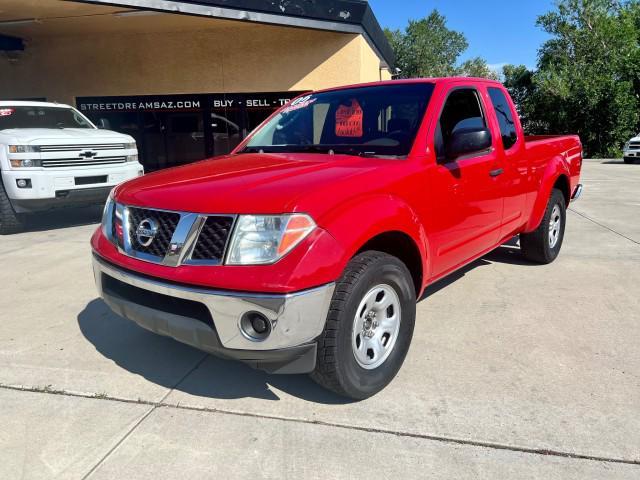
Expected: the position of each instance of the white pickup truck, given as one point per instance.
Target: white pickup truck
(52, 156)
(631, 150)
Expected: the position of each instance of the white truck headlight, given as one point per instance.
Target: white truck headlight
(130, 146)
(265, 239)
(132, 158)
(23, 149)
(25, 163)
(627, 145)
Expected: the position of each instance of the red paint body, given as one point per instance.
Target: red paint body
(453, 213)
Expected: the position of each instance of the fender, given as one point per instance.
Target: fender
(556, 168)
(359, 221)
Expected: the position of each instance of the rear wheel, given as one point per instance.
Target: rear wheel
(10, 222)
(543, 244)
(369, 327)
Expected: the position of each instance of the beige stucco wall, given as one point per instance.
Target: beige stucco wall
(227, 57)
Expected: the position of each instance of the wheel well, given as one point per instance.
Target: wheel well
(401, 246)
(562, 184)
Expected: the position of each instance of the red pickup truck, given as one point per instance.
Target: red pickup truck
(305, 249)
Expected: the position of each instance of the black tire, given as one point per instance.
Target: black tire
(10, 222)
(336, 367)
(536, 246)
(629, 160)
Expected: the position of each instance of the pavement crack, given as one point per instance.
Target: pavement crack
(119, 442)
(586, 217)
(435, 438)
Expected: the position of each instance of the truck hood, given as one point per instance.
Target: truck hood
(55, 136)
(256, 183)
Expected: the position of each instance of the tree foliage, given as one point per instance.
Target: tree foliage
(588, 76)
(428, 48)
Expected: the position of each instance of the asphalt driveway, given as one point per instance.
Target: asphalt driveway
(516, 371)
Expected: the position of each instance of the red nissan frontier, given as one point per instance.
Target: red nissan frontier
(306, 249)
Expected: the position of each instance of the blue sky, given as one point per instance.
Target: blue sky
(500, 31)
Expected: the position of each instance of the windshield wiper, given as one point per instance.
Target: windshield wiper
(333, 150)
(326, 149)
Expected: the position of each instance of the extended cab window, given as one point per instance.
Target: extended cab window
(505, 117)
(374, 121)
(462, 111)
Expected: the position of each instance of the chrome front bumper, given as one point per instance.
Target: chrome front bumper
(297, 319)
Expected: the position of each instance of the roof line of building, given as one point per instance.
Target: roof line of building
(346, 16)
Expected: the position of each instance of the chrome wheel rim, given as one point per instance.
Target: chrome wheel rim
(555, 226)
(376, 327)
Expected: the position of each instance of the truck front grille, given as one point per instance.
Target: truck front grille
(166, 223)
(170, 238)
(634, 145)
(80, 148)
(82, 162)
(213, 238)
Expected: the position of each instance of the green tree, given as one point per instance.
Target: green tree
(587, 81)
(428, 48)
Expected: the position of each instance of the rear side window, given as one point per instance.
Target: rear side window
(462, 110)
(505, 117)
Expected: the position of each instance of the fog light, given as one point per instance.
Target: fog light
(23, 183)
(255, 326)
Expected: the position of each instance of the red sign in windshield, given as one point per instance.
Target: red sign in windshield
(349, 120)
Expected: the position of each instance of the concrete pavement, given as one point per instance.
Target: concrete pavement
(515, 370)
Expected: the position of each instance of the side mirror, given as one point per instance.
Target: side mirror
(104, 124)
(468, 140)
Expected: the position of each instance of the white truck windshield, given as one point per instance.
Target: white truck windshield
(41, 117)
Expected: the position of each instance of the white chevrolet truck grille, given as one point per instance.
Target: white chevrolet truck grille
(82, 162)
(80, 148)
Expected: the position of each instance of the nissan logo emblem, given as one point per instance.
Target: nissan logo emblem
(146, 232)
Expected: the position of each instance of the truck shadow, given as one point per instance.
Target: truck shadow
(508, 253)
(166, 362)
(63, 218)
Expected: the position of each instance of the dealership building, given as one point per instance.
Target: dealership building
(187, 79)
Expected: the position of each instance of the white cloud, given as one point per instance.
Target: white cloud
(497, 67)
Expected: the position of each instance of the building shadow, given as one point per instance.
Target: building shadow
(619, 161)
(63, 218)
(165, 362)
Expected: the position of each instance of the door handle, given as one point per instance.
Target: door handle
(497, 172)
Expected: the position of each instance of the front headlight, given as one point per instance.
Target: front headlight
(627, 145)
(25, 163)
(107, 218)
(132, 158)
(265, 239)
(23, 149)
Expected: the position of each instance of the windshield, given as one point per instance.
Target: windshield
(41, 117)
(373, 121)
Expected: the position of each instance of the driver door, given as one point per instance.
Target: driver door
(468, 199)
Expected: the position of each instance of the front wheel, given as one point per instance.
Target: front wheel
(543, 244)
(369, 326)
(10, 222)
